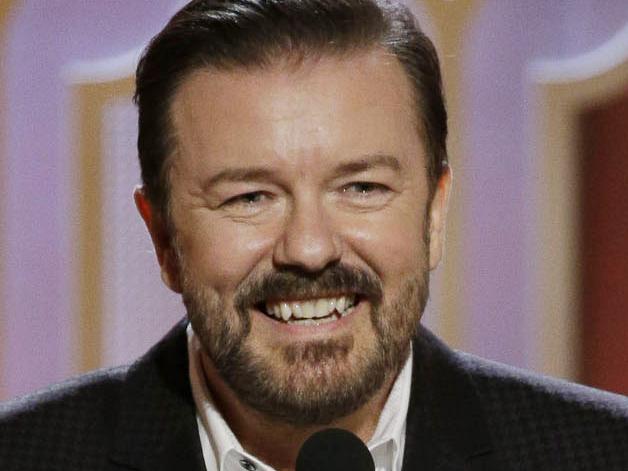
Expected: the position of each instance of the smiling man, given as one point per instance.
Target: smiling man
(300, 215)
(295, 188)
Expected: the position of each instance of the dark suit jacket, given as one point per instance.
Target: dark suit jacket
(465, 414)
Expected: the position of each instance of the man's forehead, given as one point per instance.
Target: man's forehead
(332, 107)
(311, 73)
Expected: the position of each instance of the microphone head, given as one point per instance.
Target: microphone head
(334, 449)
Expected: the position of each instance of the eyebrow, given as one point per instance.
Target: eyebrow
(244, 174)
(239, 174)
(368, 162)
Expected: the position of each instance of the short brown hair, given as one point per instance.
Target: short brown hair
(226, 34)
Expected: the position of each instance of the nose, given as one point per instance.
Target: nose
(309, 240)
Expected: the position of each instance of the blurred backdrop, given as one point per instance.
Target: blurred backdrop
(536, 272)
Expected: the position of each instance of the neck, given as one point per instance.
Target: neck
(253, 428)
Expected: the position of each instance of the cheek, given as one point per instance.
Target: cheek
(393, 246)
(222, 255)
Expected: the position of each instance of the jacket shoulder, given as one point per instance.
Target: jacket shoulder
(50, 423)
(561, 425)
(84, 388)
(82, 423)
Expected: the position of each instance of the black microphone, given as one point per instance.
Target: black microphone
(334, 449)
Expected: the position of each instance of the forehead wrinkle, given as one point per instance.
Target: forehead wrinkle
(285, 147)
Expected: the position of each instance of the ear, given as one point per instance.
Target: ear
(438, 217)
(160, 236)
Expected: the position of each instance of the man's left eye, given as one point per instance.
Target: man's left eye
(364, 188)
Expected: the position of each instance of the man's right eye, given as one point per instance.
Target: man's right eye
(250, 202)
(247, 198)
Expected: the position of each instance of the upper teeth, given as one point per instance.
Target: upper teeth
(310, 309)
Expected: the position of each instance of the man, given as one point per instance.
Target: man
(295, 189)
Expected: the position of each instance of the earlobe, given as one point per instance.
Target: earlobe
(158, 231)
(438, 217)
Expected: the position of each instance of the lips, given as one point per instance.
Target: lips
(311, 311)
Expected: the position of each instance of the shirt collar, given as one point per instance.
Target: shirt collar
(388, 440)
(223, 451)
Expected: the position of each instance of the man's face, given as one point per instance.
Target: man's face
(299, 201)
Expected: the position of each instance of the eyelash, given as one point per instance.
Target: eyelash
(354, 189)
(246, 198)
(366, 188)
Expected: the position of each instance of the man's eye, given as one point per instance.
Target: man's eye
(247, 199)
(364, 188)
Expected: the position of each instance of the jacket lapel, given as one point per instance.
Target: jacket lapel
(156, 421)
(446, 428)
(156, 427)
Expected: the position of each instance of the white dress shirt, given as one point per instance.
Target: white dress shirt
(222, 451)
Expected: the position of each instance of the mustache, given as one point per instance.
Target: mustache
(296, 284)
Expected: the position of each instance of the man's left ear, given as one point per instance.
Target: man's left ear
(438, 217)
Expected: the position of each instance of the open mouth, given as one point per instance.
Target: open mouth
(310, 311)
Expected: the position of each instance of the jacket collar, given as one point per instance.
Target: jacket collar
(156, 425)
(156, 421)
(446, 428)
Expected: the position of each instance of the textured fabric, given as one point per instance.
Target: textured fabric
(140, 417)
(548, 424)
(470, 413)
(220, 445)
(47, 430)
(465, 413)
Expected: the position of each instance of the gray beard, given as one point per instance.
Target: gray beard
(319, 383)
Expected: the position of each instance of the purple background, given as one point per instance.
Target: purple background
(499, 223)
(39, 201)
